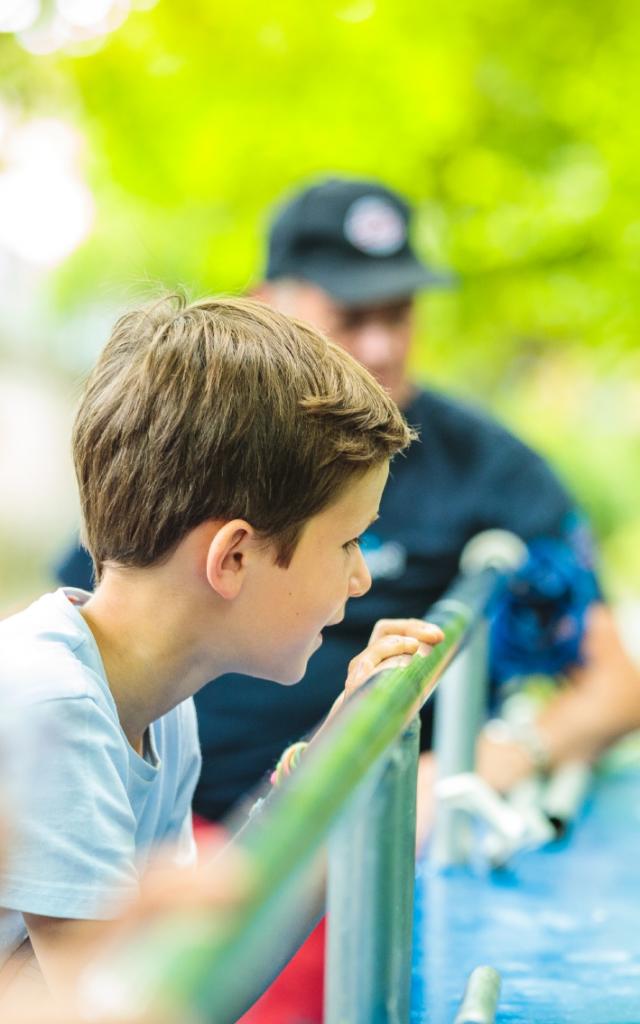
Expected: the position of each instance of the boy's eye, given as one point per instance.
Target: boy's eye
(352, 544)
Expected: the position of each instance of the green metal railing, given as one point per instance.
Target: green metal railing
(356, 788)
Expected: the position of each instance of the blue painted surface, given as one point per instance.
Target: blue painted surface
(561, 925)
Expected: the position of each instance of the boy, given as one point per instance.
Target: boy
(228, 460)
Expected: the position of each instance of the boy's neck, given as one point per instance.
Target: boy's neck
(150, 643)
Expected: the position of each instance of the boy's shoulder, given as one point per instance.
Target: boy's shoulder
(47, 652)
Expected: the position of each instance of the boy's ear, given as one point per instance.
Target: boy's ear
(227, 558)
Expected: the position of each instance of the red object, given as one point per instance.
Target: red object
(203, 829)
(296, 996)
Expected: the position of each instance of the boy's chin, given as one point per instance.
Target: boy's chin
(290, 678)
(291, 673)
(283, 676)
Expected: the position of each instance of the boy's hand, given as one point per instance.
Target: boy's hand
(392, 644)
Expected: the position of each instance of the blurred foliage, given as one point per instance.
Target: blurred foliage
(513, 125)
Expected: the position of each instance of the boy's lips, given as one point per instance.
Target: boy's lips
(332, 622)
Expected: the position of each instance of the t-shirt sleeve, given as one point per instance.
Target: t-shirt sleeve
(179, 831)
(74, 849)
(523, 494)
(521, 491)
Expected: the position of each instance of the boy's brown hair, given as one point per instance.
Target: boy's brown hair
(220, 409)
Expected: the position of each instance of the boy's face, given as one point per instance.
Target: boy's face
(290, 607)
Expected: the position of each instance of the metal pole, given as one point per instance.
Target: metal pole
(370, 895)
(459, 714)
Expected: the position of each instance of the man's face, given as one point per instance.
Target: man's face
(378, 336)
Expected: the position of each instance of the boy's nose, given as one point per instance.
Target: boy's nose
(360, 581)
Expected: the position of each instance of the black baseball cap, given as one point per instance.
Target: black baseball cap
(350, 237)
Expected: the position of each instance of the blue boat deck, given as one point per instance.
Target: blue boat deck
(561, 924)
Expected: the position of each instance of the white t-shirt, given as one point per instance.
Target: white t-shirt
(89, 808)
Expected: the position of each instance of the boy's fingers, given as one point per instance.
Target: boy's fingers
(388, 652)
(384, 647)
(396, 661)
(393, 643)
(425, 631)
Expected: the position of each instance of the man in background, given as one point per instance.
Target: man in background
(340, 256)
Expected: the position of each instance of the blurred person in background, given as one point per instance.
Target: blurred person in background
(340, 257)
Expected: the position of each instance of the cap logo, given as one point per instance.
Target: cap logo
(375, 226)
